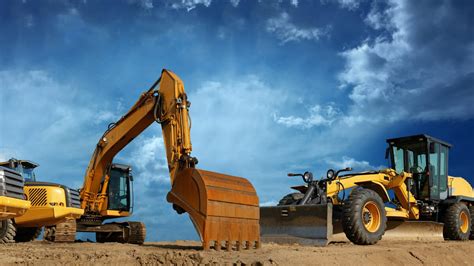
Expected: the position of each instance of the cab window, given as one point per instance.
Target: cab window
(118, 190)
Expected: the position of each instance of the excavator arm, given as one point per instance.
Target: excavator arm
(224, 209)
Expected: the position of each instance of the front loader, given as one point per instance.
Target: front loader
(12, 203)
(53, 206)
(414, 199)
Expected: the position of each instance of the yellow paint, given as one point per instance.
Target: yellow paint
(12, 207)
(48, 207)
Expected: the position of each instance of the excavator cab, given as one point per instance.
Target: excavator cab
(426, 158)
(120, 188)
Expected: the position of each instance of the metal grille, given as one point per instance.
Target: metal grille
(11, 183)
(37, 196)
(75, 200)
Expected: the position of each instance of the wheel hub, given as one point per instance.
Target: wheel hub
(371, 217)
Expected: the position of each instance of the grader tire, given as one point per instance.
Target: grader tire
(7, 231)
(471, 210)
(364, 219)
(291, 199)
(27, 234)
(457, 222)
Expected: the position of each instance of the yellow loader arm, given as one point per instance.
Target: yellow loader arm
(224, 209)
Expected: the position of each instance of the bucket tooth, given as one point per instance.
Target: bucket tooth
(217, 245)
(220, 206)
(258, 244)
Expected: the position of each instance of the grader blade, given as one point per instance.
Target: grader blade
(305, 224)
(224, 209)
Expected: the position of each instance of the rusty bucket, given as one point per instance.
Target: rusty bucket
(224, 209)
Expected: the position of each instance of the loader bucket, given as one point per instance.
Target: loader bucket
(224, 209)
(305, 224)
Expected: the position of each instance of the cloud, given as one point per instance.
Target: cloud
(190, 4)
(356, 165)
(234, 3)
(286, 31)
(318, 116)
(349, 4)
(51, 122)
(417, 68)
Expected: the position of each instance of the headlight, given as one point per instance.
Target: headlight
(308, 177)
(330, 174)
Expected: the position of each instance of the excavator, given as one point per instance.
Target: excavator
(414, 199)
(53, 206)
(223, 208)
(12, 203)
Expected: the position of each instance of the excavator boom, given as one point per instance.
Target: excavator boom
(224, 209)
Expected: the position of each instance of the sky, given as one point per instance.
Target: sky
(276, 86)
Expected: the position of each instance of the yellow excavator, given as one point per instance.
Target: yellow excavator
(53, 206)
(224, 209)
(12, 203)
(414, 199)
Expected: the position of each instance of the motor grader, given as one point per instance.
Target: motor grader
(414, 199)
(51, 204)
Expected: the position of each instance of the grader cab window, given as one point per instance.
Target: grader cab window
(438, 171)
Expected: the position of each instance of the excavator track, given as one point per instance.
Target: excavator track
(137, 233)
(62, 232)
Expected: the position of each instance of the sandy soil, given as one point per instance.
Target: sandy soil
(188, 253)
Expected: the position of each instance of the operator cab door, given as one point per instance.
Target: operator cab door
(438, 170)
(119, 188)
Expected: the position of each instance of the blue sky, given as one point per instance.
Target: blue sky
(276, 86)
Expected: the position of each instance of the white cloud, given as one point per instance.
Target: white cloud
(318, 116)
(235, 3)
(190, 4)
(294, 3)
(349, 4)
(286, 31)
(356, 165)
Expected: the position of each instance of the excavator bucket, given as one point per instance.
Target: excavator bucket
(224, 209)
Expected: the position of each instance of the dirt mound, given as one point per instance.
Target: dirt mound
(190, 253)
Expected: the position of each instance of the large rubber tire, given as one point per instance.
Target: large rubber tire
(471, 209)
(27, 234)
(455, 218)
(7, 231)
(364, 219)
(291, 199)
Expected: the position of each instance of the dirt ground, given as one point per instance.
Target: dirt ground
(190, 253)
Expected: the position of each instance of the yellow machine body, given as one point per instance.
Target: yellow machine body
(414, 199)
(48, 207)
(11, 207)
